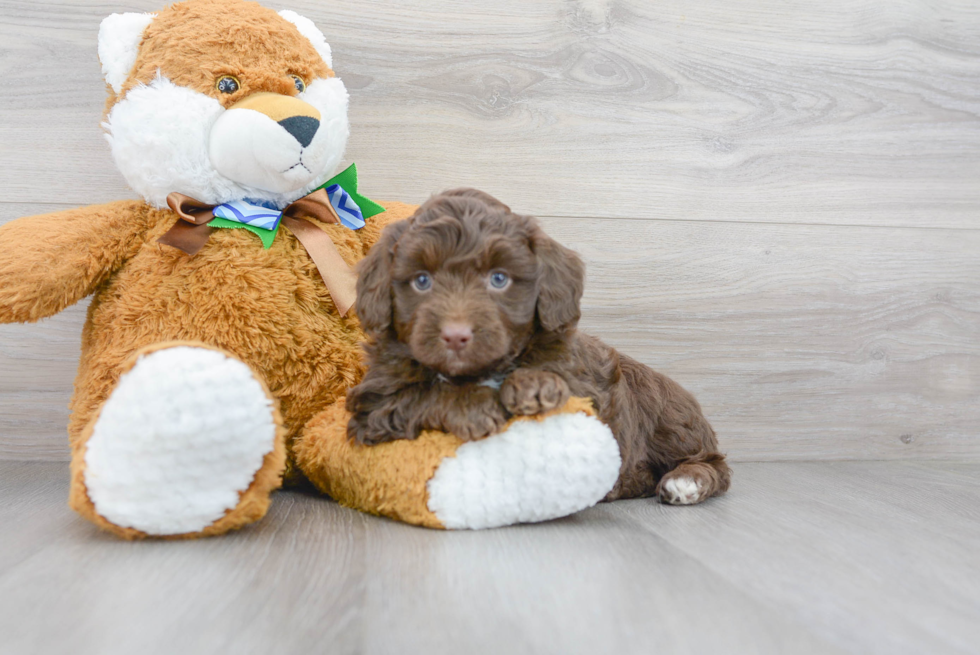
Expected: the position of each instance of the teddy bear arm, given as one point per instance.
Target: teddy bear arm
(540, 467)
(51, 261)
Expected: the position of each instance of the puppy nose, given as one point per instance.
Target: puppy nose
(456, 336)
(303, 128)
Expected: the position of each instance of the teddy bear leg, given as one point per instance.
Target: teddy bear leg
(189, 443)
(538, 468)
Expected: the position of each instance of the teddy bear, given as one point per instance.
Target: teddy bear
(220, 338)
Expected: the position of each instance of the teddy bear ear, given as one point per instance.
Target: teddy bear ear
(119, 41)
(310, 31)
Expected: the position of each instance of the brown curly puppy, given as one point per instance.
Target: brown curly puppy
(471, 313)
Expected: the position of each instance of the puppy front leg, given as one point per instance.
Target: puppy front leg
(529, 391)
(377, 418)
(470, 412)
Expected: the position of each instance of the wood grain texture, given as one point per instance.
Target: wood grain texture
(826, 557)
(716, 165)
(297, 575)
(875, 557)
(860, 113)
(581, 585)
(801, 342)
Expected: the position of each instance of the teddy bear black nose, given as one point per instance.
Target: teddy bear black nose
(303, 128)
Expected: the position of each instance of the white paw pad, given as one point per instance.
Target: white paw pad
(680, 490)
(533, 471)
(182, 435)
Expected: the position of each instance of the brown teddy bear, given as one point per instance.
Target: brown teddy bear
(219, 341)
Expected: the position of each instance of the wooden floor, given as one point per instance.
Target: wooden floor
(822, 557)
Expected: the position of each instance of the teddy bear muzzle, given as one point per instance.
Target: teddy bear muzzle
(267, 141)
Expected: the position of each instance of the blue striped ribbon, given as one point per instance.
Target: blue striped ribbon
(249, 213)
(257, 213)
(347, 210)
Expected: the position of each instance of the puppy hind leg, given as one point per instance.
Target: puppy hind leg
(695, 479)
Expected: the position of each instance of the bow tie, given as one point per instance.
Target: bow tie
(328, 204)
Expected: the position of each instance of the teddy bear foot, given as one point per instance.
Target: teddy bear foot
(188, 444)
(533, 471)
(538, 468)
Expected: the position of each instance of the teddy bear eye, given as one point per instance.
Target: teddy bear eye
(422, 282)
(227, 84)
(300, 84)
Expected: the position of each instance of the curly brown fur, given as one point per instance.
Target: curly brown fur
(443, 336)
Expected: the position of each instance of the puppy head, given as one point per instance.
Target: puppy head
(465, 283)
(221, 100)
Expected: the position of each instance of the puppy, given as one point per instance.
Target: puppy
(471, 314)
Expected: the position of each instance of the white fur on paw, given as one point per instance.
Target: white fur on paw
(182, 435)
(533, 471)
(681, 490)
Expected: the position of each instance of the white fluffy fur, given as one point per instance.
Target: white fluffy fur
(181, 436)
(310, 31)
(119, 40)
(251, 148)
(248, 146)
(167, 138)
(534, 471)
(160, 139)
(682, 490)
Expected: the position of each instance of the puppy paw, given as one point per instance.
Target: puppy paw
(527, 392)
(377, 427)
(680, 490)
(359, 431)
(478, 422)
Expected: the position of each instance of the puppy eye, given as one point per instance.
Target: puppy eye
(227, 84)
(300, 84)
(422, 282)
(499, 280)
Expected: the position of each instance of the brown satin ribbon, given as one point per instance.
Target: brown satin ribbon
(192, 231)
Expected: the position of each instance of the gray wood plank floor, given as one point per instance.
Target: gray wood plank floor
(822, 557)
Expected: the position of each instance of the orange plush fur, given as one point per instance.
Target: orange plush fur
(193, 44)
(269, 308)
(390, 478)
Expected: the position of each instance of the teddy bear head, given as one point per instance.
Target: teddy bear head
(221, 100)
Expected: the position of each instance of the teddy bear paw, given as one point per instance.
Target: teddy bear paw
(533, 471)
(179, 441)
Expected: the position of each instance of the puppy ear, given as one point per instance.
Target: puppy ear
(561, 282)
(373, 304)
